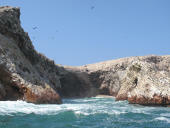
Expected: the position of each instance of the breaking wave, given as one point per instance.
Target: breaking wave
(89, 112)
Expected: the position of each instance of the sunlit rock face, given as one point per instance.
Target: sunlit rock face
(147, 81)
(28, 75)
(142, 80)
(24, 73)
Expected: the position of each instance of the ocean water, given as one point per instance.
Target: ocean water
(82, 113)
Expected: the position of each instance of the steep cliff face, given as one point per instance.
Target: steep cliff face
(28, 75)
(147, 81)
(25, 74)
(142, 80)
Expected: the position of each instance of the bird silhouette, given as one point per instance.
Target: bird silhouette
(92, 7)
(35, 28)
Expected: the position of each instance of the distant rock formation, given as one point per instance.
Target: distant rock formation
(28, 75)
(140, 80)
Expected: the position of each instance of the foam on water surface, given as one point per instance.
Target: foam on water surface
(88, 112)
(163, 119)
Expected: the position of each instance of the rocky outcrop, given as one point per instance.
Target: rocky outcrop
(24, 73)
(142, 80)
(28, 75)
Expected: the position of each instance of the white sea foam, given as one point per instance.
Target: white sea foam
(141, 110)
(88, 106)
(166, 114)
(13, 107)
(163, 119)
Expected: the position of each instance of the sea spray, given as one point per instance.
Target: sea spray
(82, 113)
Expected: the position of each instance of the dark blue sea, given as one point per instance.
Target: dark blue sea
(83, 113)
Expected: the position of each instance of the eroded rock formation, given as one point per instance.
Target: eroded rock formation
(142, 80)
(28, 75)
(24, 73)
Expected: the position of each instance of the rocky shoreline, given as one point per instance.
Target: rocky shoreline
(28, 75)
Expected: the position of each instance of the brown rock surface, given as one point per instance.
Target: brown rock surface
(142, 80)
(24, 73)
(28, 75)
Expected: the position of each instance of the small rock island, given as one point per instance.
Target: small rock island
(28, 75)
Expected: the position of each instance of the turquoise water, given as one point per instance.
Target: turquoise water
(83, 113)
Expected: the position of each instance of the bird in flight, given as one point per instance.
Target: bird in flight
(92, 7)
(35, 28)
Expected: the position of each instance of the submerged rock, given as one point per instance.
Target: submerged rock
(28, 75)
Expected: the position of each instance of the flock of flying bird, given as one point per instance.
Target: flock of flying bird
(35, 28)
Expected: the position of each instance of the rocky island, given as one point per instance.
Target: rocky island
(28, 75)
